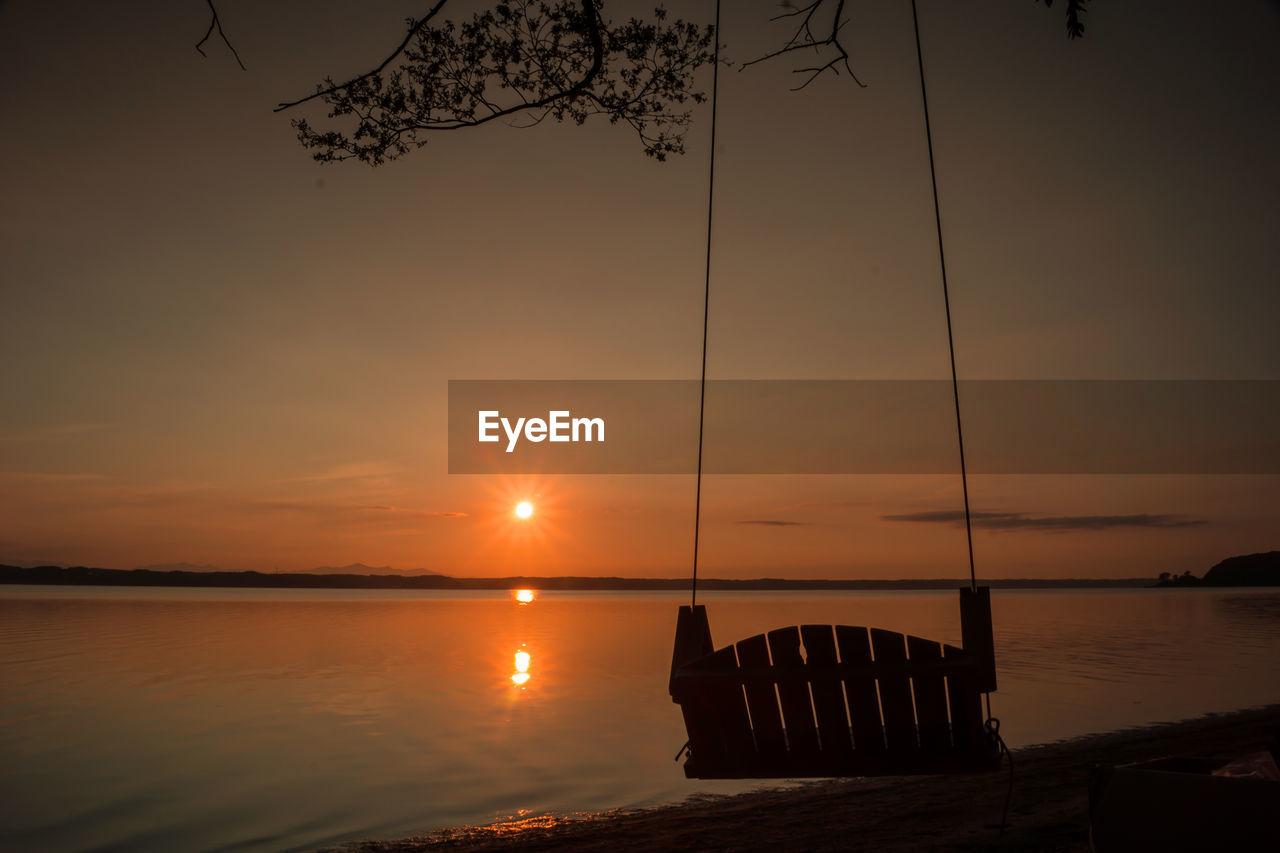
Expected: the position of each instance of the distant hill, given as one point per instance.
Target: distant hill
(178, 567)
(353, 569)
(362, 569)
(86, 576)
(80, 575)
(1247, 570)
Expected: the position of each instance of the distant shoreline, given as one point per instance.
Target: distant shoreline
(84, 576)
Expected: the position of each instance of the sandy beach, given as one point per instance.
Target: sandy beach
(1047, 812)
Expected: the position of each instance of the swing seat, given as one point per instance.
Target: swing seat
(885, 704)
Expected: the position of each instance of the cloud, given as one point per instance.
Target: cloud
(367, 514)
(373, 470)
(1053, 523)
(45, 477)
(770, 522)
(30, 556)
(55, 431)
(419, 513)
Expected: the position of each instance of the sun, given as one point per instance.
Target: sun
(524, 509)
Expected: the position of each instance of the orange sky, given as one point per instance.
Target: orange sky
(219, 352)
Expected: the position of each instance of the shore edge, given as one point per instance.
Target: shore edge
(1047, 808)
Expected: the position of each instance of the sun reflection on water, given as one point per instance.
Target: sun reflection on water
(521, 676)
(525, 596)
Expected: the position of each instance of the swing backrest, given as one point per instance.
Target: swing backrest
(818, 700)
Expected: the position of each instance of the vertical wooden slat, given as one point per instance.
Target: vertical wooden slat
(793, 693)
(895, 690)
(762, 700)
(715, 714)
(864, 707)
(930, 693)
(976, 634)
(965, 703)
(693, 638)
(828, 698)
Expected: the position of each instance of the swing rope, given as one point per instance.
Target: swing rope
(993, 724)
(706, 305)
(946, 300)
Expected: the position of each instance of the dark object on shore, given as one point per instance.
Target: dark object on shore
(1246, 570)
(1250, 570)
(1185, 579)
(915, 708)
(1186, 804)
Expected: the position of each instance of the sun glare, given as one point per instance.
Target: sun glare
(524, 509)
(524, 596)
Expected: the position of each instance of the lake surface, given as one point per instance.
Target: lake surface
(162, 719)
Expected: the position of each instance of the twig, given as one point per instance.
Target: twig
(804, 39)
(413, 30)
(215, 23)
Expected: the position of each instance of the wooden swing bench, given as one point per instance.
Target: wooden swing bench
(855, 702)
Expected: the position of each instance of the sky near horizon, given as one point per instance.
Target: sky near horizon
(220, 352)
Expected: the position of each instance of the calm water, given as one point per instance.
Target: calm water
(286, 720)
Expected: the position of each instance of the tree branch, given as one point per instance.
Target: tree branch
(597, 62)
(804, 39)
(537, 58)
(542, 59)
(214, 22)
(414, 28)
(1075, 11)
